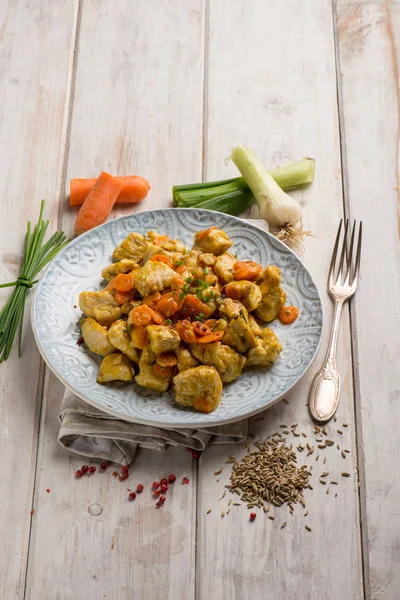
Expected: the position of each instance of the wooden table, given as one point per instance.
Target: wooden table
(165, 89)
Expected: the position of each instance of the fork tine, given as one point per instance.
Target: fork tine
(334, 253)
(350, 271)
(358, 256)
(343, 253)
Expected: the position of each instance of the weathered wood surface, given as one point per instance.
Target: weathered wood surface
(35, 40)
(137, 107)
(369, 38)
(165, 89)
(279, 96)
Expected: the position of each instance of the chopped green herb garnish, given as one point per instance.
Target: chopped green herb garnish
(200, 317)
(168, 322)
(188, 280)
(206, 271)
(179, 263)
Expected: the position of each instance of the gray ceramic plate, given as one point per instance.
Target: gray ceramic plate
(55, 315)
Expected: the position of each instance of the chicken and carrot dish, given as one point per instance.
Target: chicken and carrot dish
(184, 318)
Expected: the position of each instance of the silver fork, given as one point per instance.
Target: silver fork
(325, 389)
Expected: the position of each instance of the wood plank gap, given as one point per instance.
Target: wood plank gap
(354, 350)
(69, 100)
(206, 25)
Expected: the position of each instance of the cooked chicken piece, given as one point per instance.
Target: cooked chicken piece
(223, 267)
(151, 250)
(200, 388)
(115, 367)
(207, 260)
(247, 292)
(128, 306)
(118, 336)
(266, 352)
(273, 296)
(190, 258)
(95, 336)
(220, 325)
(254, 326)
(101, 306)
(228, 363)
(213, 241)
(153, 277)
(186, 360)
(133, 247)
(148, 377)
(123, 266)
(238, 334)
(162, 338)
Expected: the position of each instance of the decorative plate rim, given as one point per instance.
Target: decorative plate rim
(175, 424)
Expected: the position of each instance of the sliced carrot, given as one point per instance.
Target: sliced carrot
(181, 269)
(202, 405)
(201, 328)
(161, 258)
(123, 282)
(122, 297)
(162, 371)
(192, 307)
(142, 315)
(288, 314)
(247, 270)
(139, 337)
(176, 295)
(167, 306)
(212, 337)
(200, 235)
(160, 240)
(156, 317)
(186, 332)
(210, 322)
(98, 203)
(152, 299)
(134, 189)
(167, 359)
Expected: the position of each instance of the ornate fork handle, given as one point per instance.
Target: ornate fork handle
(325, 388)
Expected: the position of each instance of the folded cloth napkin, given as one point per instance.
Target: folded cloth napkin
(90, 432)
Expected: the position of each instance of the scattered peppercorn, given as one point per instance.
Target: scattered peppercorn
(139, 488)
(104, 466)
(48, 490)
(171, 478)
(252, 516)
(155, 485)
(185, 480)
(132, 496)
(92, 469)
(84, 469)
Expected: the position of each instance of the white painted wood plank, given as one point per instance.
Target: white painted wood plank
(35, 43)
(137, 109)
(369, 38)
(271, 85)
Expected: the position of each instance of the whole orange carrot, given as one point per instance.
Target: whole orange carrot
(135, 189)
(99, 202)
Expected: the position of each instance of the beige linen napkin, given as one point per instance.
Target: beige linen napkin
(90, 432)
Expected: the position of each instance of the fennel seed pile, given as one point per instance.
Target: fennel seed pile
(270, 475)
